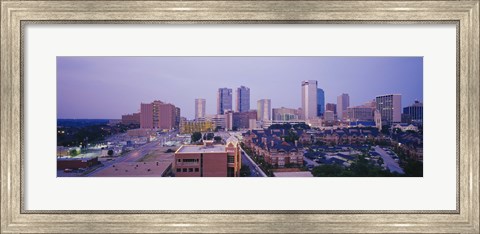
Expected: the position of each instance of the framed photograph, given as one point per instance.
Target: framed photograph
(240, 116)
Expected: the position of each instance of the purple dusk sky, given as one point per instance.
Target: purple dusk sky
(107, 87)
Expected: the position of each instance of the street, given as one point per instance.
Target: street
(388, 160)
(131, 156)
(255, 171)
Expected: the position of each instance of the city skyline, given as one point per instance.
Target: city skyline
(108, 87)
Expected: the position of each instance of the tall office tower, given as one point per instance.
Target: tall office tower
(200, 105)
(243, 99)
(158, 115)
(309, 99)
(224, 100)
(320, 102)
(177, 117)
(264, 109)
(414, 112)
(331, 107)
(343, 102)
(390, 107)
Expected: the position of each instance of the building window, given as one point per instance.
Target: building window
(184, 169)
(190, 169)
(230, 172)
(179, 170)
(179, 160)
(231, 159)
(190, 160)
(196, 169)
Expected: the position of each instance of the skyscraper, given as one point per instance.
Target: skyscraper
(158, 115)
(264, 109)
(414, 112)
(320, 102)
(224, 100)
(389, 106)
(243, 99)
(200, 105)
(343, 102)
(309, 99)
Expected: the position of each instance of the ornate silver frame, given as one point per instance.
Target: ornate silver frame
(16, 14)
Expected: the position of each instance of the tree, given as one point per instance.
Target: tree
(328, 171)
(110, 152)
(74, 152)
(291, 136)
(245, 171)
(196, 136)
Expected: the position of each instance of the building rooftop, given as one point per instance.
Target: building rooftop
(136, 169)
(293, 174)
(201, 149)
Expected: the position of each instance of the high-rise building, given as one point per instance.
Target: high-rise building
(158, 115)
(414, 112)
(243, 99)
(264, 109)
(331, 107)
(389, 107)
(343, 101)
(320, 102)
(177, 117)
(224, 100)
(200, 106)
(284, 114)
(309, 99)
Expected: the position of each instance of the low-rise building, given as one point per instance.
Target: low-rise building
(271, 145)
(406, 127)
(189, 127)
(208, 160)
(76, 163)
(131, 119)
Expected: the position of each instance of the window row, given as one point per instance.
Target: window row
(187, 169)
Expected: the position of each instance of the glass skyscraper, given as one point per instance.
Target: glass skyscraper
(320, 102)
(243, 99)
(224, 100)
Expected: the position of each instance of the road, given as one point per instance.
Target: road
(255, 171)
(131, 156)
(388, 160)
